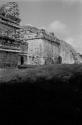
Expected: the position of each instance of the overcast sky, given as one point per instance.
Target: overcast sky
(63, 17)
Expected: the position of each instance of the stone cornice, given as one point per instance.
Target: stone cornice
(8, 19)
(9, 23)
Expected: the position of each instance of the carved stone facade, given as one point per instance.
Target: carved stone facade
(12, 49)
(10, 11)
(29, 45)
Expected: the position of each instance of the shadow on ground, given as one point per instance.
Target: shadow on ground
(47, 94)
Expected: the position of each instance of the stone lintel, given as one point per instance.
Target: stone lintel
(7, 19)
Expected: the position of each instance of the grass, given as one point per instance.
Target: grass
(42, 94)
(62, 72)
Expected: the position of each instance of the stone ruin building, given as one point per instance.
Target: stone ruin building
(45, 48)
(12, 49)
(29, 45)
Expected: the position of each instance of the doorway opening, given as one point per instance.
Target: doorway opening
(22, 60)
(59, 60)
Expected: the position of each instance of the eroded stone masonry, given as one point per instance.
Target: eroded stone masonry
(29, 45)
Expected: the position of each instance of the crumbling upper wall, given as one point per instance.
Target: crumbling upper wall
(30, 32)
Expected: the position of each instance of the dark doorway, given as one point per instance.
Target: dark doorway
(59, 60)
(22, 60)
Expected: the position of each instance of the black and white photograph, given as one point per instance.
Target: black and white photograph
(41, 62)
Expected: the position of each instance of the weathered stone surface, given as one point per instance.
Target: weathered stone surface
(29, 32)
(12, 49)
(68, 54)
(10, 11)
(8, 59)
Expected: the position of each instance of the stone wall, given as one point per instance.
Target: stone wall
(35, 52)
(8, 59)
(51, 52)
(68, 54)
(41, 51)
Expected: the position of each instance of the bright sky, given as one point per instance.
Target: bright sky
(63, 17)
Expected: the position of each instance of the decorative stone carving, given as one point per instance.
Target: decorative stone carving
(11, 11)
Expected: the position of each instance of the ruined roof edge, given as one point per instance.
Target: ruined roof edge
(40, 33)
